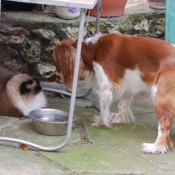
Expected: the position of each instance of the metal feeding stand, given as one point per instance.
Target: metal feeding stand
(83, 4)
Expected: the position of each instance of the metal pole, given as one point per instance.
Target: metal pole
(98, 16)
(76, 70)
(66, 93)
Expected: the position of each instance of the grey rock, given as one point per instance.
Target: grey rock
(5, 39)
(142, 26)
(45, 70)
(46, 54)
(13, 30)
(31, 51)
(72, 32)
(44, 34)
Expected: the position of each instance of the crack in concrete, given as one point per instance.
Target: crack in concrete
(2, 143)
(151, 112)
(82, 132)
(160, 169)
(66, 170)
(90, 173)
(8, 124)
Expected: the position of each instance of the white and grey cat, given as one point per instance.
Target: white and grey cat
(19, 93)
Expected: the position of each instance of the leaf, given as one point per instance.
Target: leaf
(53, 94)
(69, 90)
(4, 13)
(24, 147)
(62, 96)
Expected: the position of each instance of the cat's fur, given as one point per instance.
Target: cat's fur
(19, 93)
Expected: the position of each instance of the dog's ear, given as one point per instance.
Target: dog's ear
(64, 59)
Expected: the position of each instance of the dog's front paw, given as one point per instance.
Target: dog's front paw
(96, 121)
(118, 118)
(153, 148)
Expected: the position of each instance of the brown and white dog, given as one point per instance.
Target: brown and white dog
(119, 66)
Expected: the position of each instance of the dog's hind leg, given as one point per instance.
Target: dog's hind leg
(165, 118)
(165, 109)
(124, 112)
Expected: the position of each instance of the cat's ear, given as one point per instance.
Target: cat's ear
(25, 86)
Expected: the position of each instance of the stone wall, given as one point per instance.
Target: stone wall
(28, 38)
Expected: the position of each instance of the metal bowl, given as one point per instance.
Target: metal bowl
(51, 122)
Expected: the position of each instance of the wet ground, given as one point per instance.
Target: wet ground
(90, 150)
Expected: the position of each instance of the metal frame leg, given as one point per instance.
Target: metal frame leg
(66, 93)
(72, 104)
(98, 16)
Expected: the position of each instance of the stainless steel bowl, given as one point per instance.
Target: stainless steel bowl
(50, 122)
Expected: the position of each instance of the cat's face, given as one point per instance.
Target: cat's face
(26, 85)
(24, 93)
(30, 85)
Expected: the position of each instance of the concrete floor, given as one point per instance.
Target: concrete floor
(91, 150)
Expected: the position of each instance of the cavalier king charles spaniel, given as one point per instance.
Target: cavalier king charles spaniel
(118, 66)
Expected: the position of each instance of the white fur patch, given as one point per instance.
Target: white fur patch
(116, 32)
(93, 39)
(104, 92)
(153, 91)
(153, 148)
(133, 82)
(159, 132)
(26, 105)
(101, 79)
